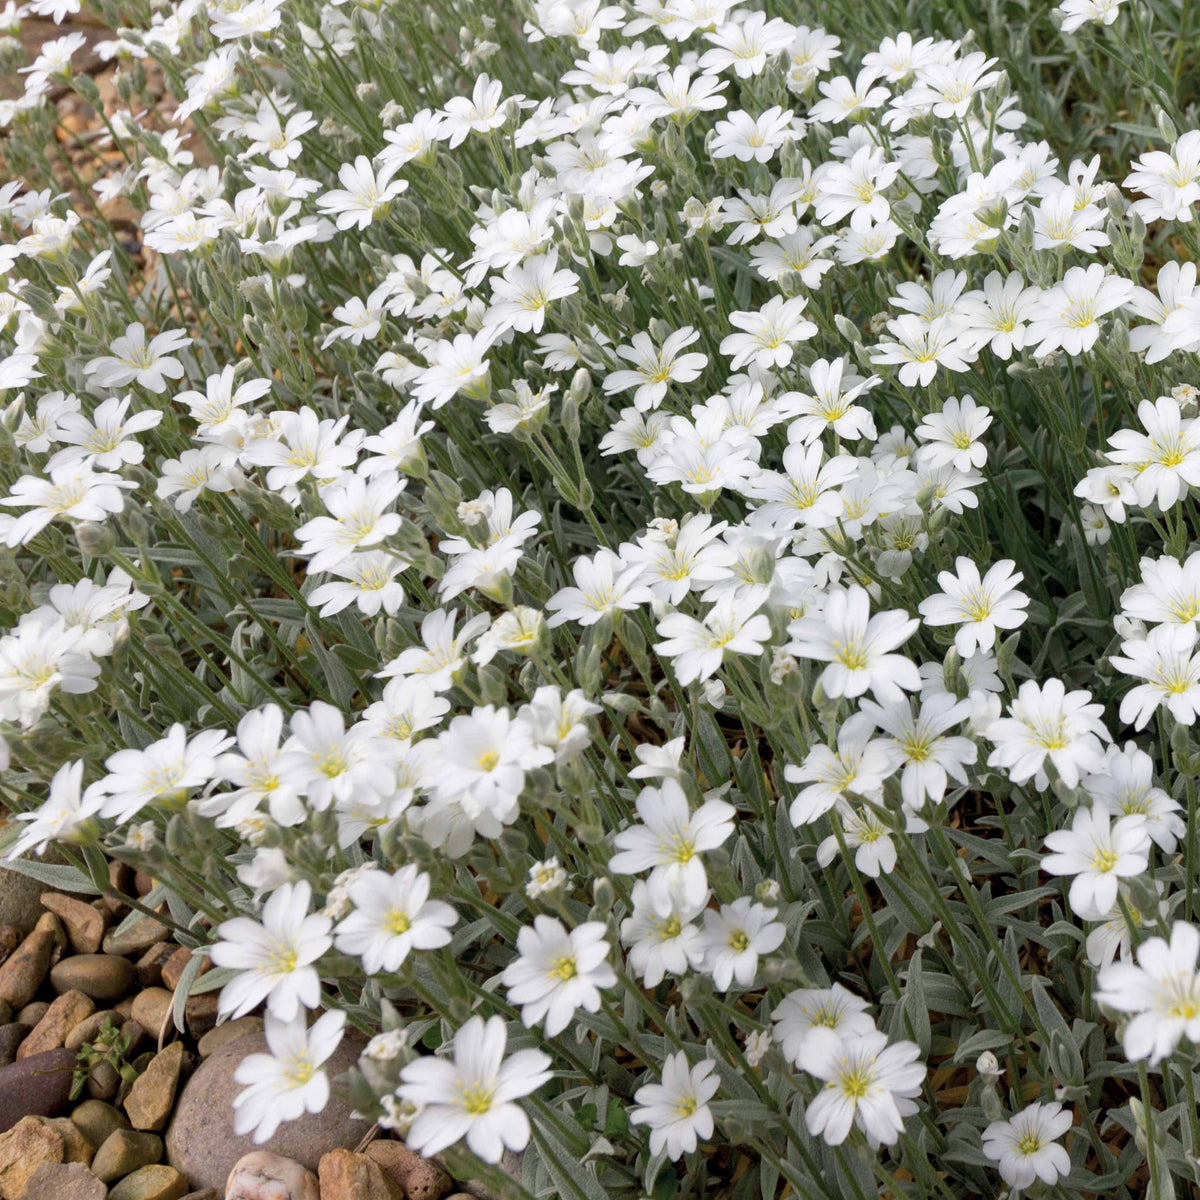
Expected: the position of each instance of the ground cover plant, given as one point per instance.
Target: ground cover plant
(641, 555)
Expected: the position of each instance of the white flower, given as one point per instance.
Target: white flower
(655, 368)
(662, 942)
(952, 436)
(364, 195)
(521, 296)
(274, 958)
(1097, 852)
(65, 816)
(867, 1082)
(289, 1081)
(133, 360)
(857, 646)
(1166, 457)
(805, 1010)
(860, 764)
(604, 584)
(1026, 1148)
(669, 841)
(1167, 659)
(768, 334)
(734, 938)
(1047, 721)
(676, 1110)
(557, 972)
(697, 648)
(979, 607)
(1162, 993)
(1067, 316)
(392, 916)
(473, 1096)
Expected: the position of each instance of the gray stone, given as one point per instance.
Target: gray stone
(201, 1141)
(222, 1035)
(22, 1149)
(11, 1036)
(151, 1183)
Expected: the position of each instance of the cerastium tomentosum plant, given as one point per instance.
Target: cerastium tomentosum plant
(640, 555)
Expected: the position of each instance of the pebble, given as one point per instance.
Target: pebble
(102, 1081)
(89, 1027)
(204, 1194)
(37, 1086)
(84, 926)
(59, 1020)
(151, 1183)
(26, 1145)
(76, 1147)
(150, 965)
(11, 1036)
(345, 1175)
(137, 939)
(33, 1012)
(200, 1013)
(97, 1121)
(22, 973)
(152, 1096)
(201, 1141)
(264, 1176)
(151, 1009)
(230, 1031)
(63, 1181)
(102, 976)
(123, 1152)
(419, 1178)
(10, 939)
(174, 967)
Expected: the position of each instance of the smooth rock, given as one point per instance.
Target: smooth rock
(175, 965)
(33, 1012)
(125, 1007)
(151, 1183)
(60, 1019)
(200, 1013)
(76, 1147)
(261, 1175)
(419, 1178)
(23, 972)
(10, 939)
(84, 926)
(137, 939)
(103, 1081)
(102, 976)
(201, 1141)
(123, 1152)
(230, 1031)
(26, 1145)
(152, 1096)
(63, 1181)
(135, 1033)
(19, 899)
(345, 1175)
(11, 1036)
(37, 1086)
(151, 1009)
(150, 965)
(204, 1194)
(97, 1120)
(88, 1029)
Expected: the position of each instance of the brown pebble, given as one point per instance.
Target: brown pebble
(60, 1018)
(27, 1144)
(152, 1095)
(96, 1120)
(63, 1181)
(89, 1027)
(174, 968)
(151, 1183)
(419, 1178)
(104, 977)
(84, 926)
(230, 1031)
(10, 939)
(345, 1175)
(33, 1012)
(152, 1009)
(22, 974)
(150, 966)
(77, 1146)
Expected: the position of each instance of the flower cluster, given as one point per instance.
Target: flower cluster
(614, 546)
